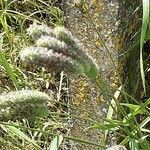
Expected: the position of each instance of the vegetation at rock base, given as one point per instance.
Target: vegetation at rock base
(36, 55)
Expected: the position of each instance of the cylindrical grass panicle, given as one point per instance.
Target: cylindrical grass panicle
(59, 50)
(23, 104)
(76, 47)
(40, 56)
(78, 52)
(58, 46)
(36, 31)
(52, 43)
(63, 34)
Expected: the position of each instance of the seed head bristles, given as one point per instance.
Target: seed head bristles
(57, 46)
(75, 47)
(45, 57)
(33, 96)
(36, 31)
(72, 48)
(63, 34)
(23, 104)
(51, 43)
(59, 50)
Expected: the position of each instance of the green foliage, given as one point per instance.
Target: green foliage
(7, 66)
(144, 33)
(9, 70)
(21, 135)
(56, 143)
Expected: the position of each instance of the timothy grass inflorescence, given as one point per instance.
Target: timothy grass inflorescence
(57, 49)
(23, 104)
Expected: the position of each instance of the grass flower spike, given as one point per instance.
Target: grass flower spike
(41, 56)
(52, 43)
(57, 49)
(23, 104)
(36, 31)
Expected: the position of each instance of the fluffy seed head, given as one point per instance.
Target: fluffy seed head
(45, 57)
(58, 49)
(23, 104)
(51, 43)
(36, 31)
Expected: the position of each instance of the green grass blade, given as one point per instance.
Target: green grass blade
(133, 144)
(21, 135)
(9, 70)
(105, 127)
(143, 36)
(111, 109)
(6, 65)
(56, 143)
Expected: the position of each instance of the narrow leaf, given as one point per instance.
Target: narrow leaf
(6, 65)
(9, 70)
(111, 109)
(105, 127)
(21, 135)
(56, 143)
(133, 144)
(143, 37)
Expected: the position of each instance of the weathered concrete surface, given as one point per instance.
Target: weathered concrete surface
(117, 23)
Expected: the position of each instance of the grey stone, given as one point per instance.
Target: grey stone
(117, 22)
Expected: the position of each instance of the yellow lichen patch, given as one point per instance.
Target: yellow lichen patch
(121, 68)
(81, 96)
(98, 5)
(99, 99)
(118, 42)
(114, 80)
(82, 89)
(98, 43)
